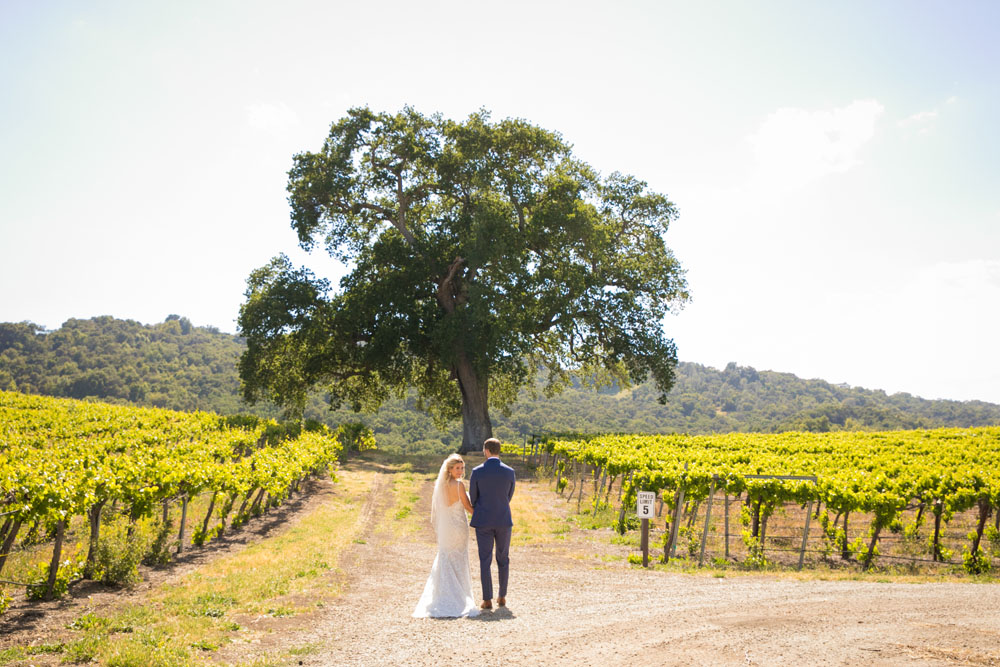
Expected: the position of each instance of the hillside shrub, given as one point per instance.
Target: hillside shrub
(118, 554)
(70, 570)
(976, 563)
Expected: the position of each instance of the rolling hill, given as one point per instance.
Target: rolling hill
(176, 365)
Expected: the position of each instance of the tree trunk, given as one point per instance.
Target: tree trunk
(184, 515)
(476, 425)
(984, 514)
(94, 515)
(668, 535)
(50, 585)
(611, 483)
(256, 502)
(133, 517)
(8, 542)
(597, 488)
(621, 501)
(694, 512)
(229, 508)
(208, 515)
(869, 558)
(621, 487)
(246, 500)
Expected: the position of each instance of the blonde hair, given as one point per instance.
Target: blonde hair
(449, 463)
(439, 500)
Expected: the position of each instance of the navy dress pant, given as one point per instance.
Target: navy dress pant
(488, 538)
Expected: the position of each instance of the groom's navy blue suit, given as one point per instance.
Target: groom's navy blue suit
(491, 487)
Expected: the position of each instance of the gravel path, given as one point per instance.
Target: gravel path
(567, 608)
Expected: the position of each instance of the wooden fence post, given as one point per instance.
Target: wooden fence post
(675, 524)
(677, 519)
(644, 542)
(805, 535)
(727, 524)
(708, 516)
(600, 488)
(621, 500)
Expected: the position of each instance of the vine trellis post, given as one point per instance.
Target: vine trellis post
(805, 531)
(708, 516)
(675, 524)
(726, 499)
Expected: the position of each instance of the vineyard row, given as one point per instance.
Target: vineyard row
(61, 459)
(936, 473)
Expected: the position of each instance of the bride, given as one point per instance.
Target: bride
(448, 592)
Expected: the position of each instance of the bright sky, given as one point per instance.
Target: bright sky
(836, 164)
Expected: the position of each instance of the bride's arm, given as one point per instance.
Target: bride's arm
(464, 497)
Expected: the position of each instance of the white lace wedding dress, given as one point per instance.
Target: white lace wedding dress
(448, 592)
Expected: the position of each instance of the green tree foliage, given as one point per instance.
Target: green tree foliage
(479, 252)
(168, 365)
(198, 370)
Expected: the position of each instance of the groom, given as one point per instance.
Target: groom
(491, 487)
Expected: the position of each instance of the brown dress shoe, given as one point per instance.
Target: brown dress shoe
(486, 605)
(501, 602)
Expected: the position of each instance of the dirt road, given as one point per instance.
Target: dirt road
(567, 608)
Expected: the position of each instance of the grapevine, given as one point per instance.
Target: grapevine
(61, 458)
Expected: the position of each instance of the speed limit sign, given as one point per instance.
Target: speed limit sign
(644, 504)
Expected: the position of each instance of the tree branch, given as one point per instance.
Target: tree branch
(400, 221)
(447, 295)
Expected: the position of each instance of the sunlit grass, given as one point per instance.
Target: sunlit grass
(534, 520)
(406, 489)
(187, 620)
(24, 561)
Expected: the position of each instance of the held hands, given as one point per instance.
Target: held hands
(464, 497)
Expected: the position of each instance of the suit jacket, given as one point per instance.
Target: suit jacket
(491, 487)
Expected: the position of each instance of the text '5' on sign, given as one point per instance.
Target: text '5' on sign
(644, 504)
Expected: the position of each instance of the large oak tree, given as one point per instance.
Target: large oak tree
(480, 253)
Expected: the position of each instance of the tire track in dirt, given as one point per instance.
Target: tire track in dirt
(278, 636)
